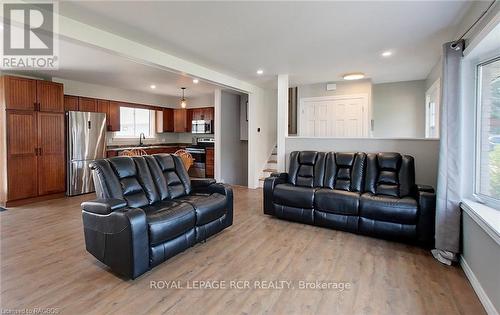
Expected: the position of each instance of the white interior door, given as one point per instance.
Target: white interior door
(333, 117)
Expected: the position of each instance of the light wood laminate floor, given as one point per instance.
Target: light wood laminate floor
(44, 265)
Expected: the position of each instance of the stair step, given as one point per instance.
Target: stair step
(270, 170)
(272, 161)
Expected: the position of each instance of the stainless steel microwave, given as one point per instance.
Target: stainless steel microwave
(201, 126)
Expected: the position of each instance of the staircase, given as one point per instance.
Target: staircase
(271, 166)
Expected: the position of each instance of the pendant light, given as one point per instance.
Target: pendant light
(183, 100)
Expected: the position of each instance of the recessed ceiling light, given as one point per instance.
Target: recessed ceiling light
(387, 53)
(260, 71)
(353, 76)
(152, 86)
(195, 81)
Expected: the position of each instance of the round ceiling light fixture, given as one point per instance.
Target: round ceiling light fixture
(195, 81)
(353, 76)
(387, 53)
(152, 86)
(260, 71)
(183, 99)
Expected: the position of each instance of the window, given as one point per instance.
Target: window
(134, 121)
(487, 171)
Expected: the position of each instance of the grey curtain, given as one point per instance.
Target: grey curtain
(448, 186)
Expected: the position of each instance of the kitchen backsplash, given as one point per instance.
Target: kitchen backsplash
(168, 137)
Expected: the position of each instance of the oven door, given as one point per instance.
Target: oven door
(198, 168)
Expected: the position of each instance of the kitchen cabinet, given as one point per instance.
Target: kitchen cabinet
(180, 120)
(165, 120)
(22, 154)
(70, 103)
(114, 116)
(202, 113)
(86, 104)
(34, 137)
(189, 120)
(51, 153)
(50, 96)
(19, 93)
(103, 107)
(209, 162)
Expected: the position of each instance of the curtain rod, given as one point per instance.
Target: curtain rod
(456, 42)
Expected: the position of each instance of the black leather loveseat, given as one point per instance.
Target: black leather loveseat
(372, 194)
(148, 210)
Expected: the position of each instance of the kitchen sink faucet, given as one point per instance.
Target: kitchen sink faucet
(141, 137)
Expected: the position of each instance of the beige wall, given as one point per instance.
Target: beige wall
(399, 109)
(343, 88)
(424, 151)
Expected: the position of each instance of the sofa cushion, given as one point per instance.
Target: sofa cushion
(168, 219)
(135, 180)
(169, 175)
(294, 196)
(208, 207)
(388, 208)
(337, 201)
(344, 171)
(294, 213)
(307, 168)
(390, 174)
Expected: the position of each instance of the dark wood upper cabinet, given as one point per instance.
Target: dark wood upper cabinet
(70, 103)
(180, 120)
(114, 116)
(103, 107)
(51, 166)
(22, 147)
(86, 104)
(20, 93)
(189, 120)
(50, 96)
(168, 120)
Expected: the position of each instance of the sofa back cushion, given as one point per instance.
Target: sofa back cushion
(390, 174)
(169, 175)
(307, 168)
(345, 171)
(135, 180)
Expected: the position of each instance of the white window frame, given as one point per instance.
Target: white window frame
(152, 122)
(487, 200)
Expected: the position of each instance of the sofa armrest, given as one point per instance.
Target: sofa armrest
(426, 198)
(425, 188)
(118, 239)
(283, 176)
(103, 206)
(201, 182)
(269, 184)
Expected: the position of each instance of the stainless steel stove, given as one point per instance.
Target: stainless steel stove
(199, 154)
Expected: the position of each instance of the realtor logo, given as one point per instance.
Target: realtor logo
(29, 36)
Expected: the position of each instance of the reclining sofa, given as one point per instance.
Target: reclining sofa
(372, 194)
(148, 210)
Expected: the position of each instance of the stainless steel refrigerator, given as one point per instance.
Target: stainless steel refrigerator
(86, 142)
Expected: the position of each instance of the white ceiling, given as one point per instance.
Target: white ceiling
(92, 65)
(311, 41)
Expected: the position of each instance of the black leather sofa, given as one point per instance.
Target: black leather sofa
(372, 194)
(148, 210)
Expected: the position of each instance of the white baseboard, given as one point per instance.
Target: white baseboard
(483, 297)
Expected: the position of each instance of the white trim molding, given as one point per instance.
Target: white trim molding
(487, 218)
(476, 285)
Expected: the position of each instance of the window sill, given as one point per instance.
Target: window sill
(486, 217)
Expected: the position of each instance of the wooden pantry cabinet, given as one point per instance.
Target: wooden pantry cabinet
(31, 139)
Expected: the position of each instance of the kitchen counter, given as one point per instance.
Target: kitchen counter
(146, 146)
